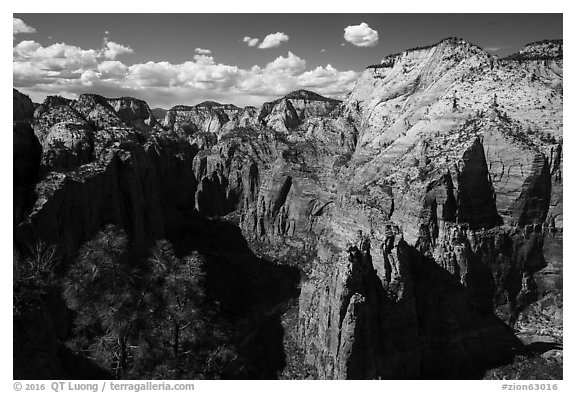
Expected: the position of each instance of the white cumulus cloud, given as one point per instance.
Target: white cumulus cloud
(291, 64)
(270, 41)
(56, 57)
(112, 69)
(273, 40)
(18, 27)
(361, 35)
(113, 50)
(251, 41)
(68, 70)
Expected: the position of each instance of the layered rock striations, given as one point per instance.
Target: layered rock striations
(133, 112)
(281, 115)
(290, 111)
(103, 161)
(206, 117)
(414, 323)
(445, 153)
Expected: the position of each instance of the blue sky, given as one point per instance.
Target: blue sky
(245, 59)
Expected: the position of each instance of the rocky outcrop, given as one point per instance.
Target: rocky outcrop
(133, 112)
(208, 117)
(67, 145)
(138, 186)
(356, 310)
(540, 50)
(23, 107)
(73, 133)
(159, 113)
(551, 277)
(54, 111)
(415, 323)
(229, 174)
(26, 154)
(466, 179)
(51, 102)
(301, 183)
(96, 109)
(280, 116)
(247, 117)
(475, 199)
(290, 111)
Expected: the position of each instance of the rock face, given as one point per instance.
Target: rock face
(135, 176)
(541, 50)
(51, 102)
(206, 117)
(67, 145)
(228, 177)
(288, 112)
(27, 153)
(280, 115)
(53, 112)
(96, 109)
(137, 186)
(133, 112)
(422, 153)
(69, 130)
(431, 331)
(23, 107)
(464, 174)
(159, 113)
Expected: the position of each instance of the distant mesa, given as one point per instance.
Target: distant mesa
(308, 95)
(389, 60)
(540, 50)
(159, 113)
(214, 104)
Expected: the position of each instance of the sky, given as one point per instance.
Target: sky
(244, 59)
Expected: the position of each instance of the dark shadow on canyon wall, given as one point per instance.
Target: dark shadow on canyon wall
(247, 295)
(251, 292)
(458, 338)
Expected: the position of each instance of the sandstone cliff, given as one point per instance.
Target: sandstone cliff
(288, 112)
(464, 172)
(207, 117)
(108, 157)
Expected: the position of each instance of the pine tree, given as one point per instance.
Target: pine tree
(179, 296)
(101, 288)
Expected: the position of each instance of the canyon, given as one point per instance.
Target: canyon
(412, 230)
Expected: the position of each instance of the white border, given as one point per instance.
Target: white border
(304, 6)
